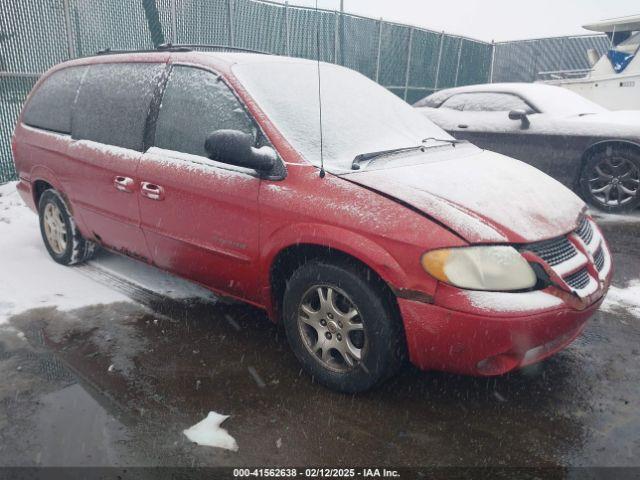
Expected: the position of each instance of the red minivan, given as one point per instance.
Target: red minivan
(368, 231)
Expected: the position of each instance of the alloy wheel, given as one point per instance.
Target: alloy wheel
(331, 327)
(614, 181)
(55, 229)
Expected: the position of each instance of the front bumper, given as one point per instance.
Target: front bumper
(491, 333)
(442, 339)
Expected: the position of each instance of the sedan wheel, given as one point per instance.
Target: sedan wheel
(611, 180)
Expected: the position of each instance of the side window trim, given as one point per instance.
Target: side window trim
(154, 109)
(533, 109)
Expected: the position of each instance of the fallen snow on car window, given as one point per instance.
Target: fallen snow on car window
(627, 298)
(209, 433)
(358, 115)
(29, 278)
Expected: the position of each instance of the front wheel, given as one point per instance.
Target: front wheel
(610, 179)
(342, 328)
(61, 237)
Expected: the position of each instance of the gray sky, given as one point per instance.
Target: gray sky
(490, 19)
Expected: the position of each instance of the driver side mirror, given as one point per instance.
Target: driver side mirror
(520, 115)
(236, 148)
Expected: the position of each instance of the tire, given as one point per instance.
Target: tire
(375, 331)
(610, 179)
(60, 235)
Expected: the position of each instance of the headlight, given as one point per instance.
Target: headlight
(496, 268)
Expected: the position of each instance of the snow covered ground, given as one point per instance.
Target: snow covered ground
(627, 298)
(29, 278)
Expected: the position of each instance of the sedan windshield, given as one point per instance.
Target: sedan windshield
(560, 101)
(358, 115)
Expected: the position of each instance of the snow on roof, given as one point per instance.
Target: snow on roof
(544, 98)
(620, 24)
(241, 58)
(522, 89)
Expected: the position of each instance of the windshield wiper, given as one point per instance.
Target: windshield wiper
(363, 157)
(451, 141)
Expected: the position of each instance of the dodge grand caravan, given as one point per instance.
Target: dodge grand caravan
(373, 236)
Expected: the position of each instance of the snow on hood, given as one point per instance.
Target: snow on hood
(483, 196)
(629, 118)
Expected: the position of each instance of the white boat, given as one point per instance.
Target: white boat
(614, 79)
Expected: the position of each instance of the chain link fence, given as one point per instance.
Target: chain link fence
(411, 62)
(37, 34)
(531, 60)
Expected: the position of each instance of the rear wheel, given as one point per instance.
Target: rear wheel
(61, 237)
(610, 179)
(341, 327)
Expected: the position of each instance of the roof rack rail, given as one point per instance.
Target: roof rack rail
(170, 47)
(195, 46)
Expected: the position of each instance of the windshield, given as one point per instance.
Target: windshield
(358, 115)
(561, 101)
(630, 46)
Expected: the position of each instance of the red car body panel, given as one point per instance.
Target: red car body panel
(225, 230)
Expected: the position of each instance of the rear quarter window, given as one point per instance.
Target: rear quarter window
(50, 105)
(114, 102)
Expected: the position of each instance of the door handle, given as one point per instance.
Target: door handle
(152, 191)
(462, 125)
(124, 184)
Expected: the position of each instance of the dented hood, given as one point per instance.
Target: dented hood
(483, 196)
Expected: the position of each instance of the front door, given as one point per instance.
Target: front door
(200, 217)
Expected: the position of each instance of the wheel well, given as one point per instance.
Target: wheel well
(600, 146)
(39, 187)
(293, 257)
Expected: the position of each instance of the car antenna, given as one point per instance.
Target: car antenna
(322, 172)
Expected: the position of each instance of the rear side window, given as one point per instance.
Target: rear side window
(196, 103)
(114, 101)
(50, 105)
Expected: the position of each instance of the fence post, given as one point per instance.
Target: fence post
(379, 50)
(71, 47)
(408, 69)
(336, 37)
(435, 86)
(174, 22)
(231, 29)
(493, 60)
(458, 65)
(286, 29)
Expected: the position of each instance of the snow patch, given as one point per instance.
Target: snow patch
(209, 433)
(512, 302)
(29, 278)
(627, 298)
(151, 278)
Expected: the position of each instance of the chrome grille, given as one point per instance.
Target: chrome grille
(598, 259)
(578, 280)
(554, 251)
(585, 231)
